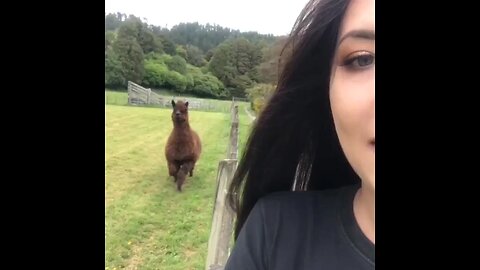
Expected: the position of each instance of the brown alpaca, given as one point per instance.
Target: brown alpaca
(183, 147)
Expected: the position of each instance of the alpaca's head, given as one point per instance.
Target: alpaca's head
(180, 112)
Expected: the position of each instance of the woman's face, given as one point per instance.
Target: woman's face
(352, 88)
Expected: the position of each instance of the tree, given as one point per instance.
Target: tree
(159, 31)
(222, 64)
(234, 63)
(208, 85)
(113, 21)
(195, 56)
(109, 38)
(273, 61)
(114, 77)
(134, 28)
(176, 81)
(207, 37)
(209, 60)
(181, 51)
(130, 55)
(177, 63)
(130, 28)
(209, 54)
(155, 74)
(168, 45)
(149, 42)
(242, 51)
(259, 95)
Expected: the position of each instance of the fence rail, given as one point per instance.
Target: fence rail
(141, 96)
(223, 216)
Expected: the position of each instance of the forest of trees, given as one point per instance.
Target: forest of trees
(201, 60)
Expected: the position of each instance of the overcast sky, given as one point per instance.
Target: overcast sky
(264, 16)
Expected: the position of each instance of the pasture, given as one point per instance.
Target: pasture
(148, 224)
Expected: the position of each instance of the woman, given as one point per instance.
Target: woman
(317, 137)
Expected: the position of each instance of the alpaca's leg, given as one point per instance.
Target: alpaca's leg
(182, 173)
(180, 178)
(187, 167)
(191, 170)
(172, 168)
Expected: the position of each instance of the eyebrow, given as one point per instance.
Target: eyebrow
(363, 34)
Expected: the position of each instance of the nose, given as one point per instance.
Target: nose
(177, 113)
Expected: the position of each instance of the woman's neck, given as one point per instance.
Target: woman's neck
(364, 211)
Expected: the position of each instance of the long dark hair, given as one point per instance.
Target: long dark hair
(293, 145)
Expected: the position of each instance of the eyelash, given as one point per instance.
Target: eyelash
(352, 61)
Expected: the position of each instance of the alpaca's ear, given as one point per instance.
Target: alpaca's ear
(173, 103)
(186, 104)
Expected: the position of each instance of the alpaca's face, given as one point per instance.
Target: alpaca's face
(180, 111)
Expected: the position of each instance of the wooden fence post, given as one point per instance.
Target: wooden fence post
(222, 220)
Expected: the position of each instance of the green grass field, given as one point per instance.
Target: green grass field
(116, 97)
(149, 225)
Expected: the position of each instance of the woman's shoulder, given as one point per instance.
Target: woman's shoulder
(306, 199)
(292, 209)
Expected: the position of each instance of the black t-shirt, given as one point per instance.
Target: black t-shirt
(303, 230)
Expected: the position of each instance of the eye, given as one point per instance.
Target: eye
(359, 60)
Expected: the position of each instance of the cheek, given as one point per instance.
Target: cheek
(352, 99)
(346, 102)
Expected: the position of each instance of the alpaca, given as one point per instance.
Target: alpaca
(183, 146)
